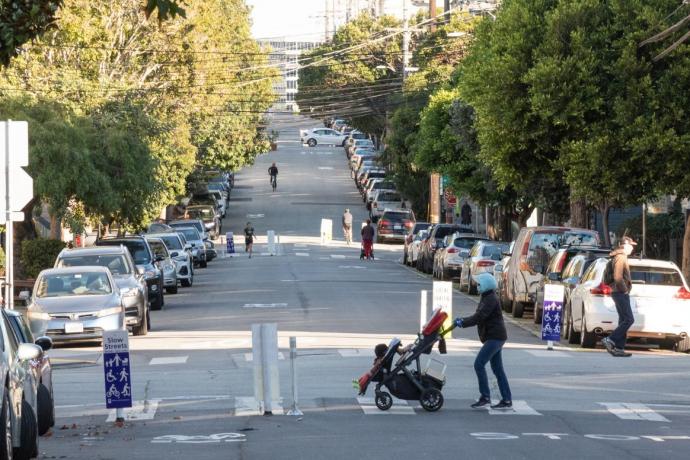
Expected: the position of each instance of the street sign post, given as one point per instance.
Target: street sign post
(326, 231)
(117, 372)
(16, 190)
(229, 243)
(442, 297)
(551, 317)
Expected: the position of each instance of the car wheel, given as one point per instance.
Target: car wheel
(471, 287)
(404, 257)
(311, 142)
(203, 264)
(538, 312)
(517, 309)
(29, 435)
(171, 290)
(142, 328)
(5, 428)
(573, 336)
(46, 409)
(186, 282)
(684, 345)
(587, 339)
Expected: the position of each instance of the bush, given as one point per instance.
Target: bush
(38, 255)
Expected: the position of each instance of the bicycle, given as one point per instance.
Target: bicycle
(274, 182)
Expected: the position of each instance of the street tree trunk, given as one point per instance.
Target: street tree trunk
(605, 209)
(686, 249)
(491, 223)
(578, 213)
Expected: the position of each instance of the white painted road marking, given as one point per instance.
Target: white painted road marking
(351, 266)
(326, 168)
(634, 411)
(199, 439)
(302, 254)
(168, 360)
(250, 357)
(519, 408)
(264, 305)
(337, 256)
(549, 354)
(140, 410)
(399, 407)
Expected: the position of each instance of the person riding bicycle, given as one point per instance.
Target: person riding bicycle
(273, 175)
(347, 226)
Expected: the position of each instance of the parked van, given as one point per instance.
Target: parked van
(531, 254)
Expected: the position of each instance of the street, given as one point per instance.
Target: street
(193, 377)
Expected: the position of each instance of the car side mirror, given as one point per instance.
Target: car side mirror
(188, 246)
(553, 276)
(174, 254)
(24, 295)
(46, 343)
(28, 352)
(141, 270)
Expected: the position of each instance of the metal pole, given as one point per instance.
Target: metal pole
(643, 252)
(422, 310)
(266, 374)
(406, 41)
(9, 226)
(294, 410)
(119, 415)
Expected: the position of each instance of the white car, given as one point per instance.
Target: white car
(384, 199)
(325, 136)
(482, 258)
(415, 246)
(659, 298)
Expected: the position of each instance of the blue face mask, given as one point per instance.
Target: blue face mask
(486, 282)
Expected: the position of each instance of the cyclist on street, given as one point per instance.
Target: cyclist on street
(248, 238)
(273, 173)
(347, 226)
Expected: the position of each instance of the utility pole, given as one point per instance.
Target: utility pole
(406, 40)
(435, 178)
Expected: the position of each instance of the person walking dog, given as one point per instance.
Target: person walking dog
(617, 274)
(492, 333)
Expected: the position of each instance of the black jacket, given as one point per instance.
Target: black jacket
(488, 318)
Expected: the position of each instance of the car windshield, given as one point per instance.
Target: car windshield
(494, 251)
(200, 213)
(190, 233)
(117, 263)
(172, 242)
(656, 276)
(73, 284)
(191, 223)
(136, 247)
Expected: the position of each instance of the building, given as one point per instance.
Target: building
(285, 56)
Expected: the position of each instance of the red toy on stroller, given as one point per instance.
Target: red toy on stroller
(402, 381)
(367, 251)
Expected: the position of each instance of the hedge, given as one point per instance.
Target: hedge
(39, 254)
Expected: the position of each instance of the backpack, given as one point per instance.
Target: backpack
(608, 272)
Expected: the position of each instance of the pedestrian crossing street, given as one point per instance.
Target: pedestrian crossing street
(245, 406)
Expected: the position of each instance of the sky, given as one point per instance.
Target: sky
(292, 19)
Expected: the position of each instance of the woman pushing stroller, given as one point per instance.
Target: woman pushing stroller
(492, 333)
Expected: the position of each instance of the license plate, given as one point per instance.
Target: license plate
(74, 328)
(397, 227)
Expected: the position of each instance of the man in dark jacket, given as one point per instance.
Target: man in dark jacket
(622, 283)
(492, 332)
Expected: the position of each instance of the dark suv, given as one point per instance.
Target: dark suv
(425, 261)
(394, 225)
(144, 259)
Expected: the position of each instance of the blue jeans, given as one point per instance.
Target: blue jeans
(625, 318)
(491, 352)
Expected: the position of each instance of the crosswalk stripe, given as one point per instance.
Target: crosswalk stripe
(356, 352)
(337, 256)
(250, 357)
(549, 354)
(140, 410)
(168, 360)
(634, 411)
(302, 254)
(519, 408)
(400, 407)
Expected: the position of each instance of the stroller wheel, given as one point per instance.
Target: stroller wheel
(383, 400)
(431, 399)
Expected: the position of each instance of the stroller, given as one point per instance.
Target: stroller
(363, 254)
(402, 381)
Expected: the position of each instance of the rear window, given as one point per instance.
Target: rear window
(172, 242)
(116, 263)
(389, 197)
(442, 232)
(493, 251)
(358, 135)
(655, 276)
(196, 224)
(377, 174)
(463, 242)
(190, 234)
(158, 248)
(398, 216)
(137, 248)
(544, 246)
(384, 186)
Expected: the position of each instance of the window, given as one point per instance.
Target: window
(656, 276)
(137, 248)
(73, 284)
(117, 263)
(158, 248)
(172, 242)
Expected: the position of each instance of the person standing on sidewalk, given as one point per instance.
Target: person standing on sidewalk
(492, 333)
(347, 226)
(618, 273)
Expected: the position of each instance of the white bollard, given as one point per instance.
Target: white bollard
(423, 310)
(294, 410)
(265, 359)
(271, 240)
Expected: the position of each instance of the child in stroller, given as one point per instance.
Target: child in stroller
(402, 381)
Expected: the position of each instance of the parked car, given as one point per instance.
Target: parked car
(561, 272)
(164, 263)
(183, 257)
(211, 252)
(75, 304)
(196, 223)
(451, 254)
(222, 204)
(129, 280)
(415, 246)
(196, 245)
(659, 298)
(482, 258)
(143, 258)
(207, 214)
(394, 225)
(425, 260)
(383, 199)
(41, 370)
(350, 147)
(18, 417)
(410, 237)
(374, 173)
(325, 136)
(534, 247)
(378, 184)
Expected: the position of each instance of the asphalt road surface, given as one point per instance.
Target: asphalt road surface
(193, 374)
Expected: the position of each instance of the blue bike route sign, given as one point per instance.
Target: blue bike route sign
(553, 312)
(118, 377)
